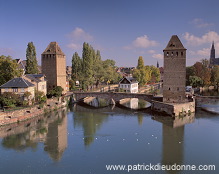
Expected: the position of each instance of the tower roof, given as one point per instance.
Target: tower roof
(53, 48)
(174, 44)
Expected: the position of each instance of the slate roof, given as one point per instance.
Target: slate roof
(35, 77)
(174, 44)
(53, 48)
(17, 83)
(129, 79)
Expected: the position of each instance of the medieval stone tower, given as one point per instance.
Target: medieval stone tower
(174, 71)
(54, 66)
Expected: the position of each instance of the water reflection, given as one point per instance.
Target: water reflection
(173, 139)
(133, 138)
(50, 129)
(134, 103)
(89, 121)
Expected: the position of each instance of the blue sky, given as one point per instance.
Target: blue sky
(122, 30)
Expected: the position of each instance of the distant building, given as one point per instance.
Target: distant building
(125, 71)
(18, 86)
(174, 71)
(161, 73)
(21, 65)
(54, 66)
(38, 80)
(158, 64)
(213, 60)
(68, 72)
(129, 84)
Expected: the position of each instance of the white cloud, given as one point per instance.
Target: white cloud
(80, 34)
(77, 37)
(152, 51)
(206, 38)
(157, 56)
(204, 52)
(74, 46)
(200, 23)
(143, 42)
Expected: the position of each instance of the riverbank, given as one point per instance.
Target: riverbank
(15, 116)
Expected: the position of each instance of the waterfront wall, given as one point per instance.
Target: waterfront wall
(200, 100)
(173, 109)
(9, 117)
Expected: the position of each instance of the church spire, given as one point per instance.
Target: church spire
(212, 56)
(157, 64)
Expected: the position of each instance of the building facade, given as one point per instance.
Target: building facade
(129, 84)
(38, 80)
(18, 86)
(54, 66)
(213, 59)
(174, 71)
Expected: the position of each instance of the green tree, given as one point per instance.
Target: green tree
(10, 99)
(140, 72)
(56, 92)
(40, 97)
(148, 74)
(76, 67)
(87, 64)
(140, 63)
(8, 69)
(195, 81)
(31, 66)
(190, 71)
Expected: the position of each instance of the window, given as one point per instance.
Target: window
(169, 89)
(172, 54)
(22, 89)
(181, 53)
(167, 54)
(177, 54)
(14, 89)
(177, 88)
(6, 89)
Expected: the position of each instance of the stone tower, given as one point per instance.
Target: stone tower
(174, 71)
(54, 66)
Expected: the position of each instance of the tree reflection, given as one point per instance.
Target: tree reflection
(89, 121)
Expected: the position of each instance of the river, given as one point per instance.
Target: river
(83, 140)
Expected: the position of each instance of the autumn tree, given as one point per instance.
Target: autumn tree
(155, 74)
(215, 76)
(31, 66)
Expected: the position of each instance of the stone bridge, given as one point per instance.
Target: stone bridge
(115, 96)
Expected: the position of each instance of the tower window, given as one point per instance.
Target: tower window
(169, 89)
(172, 54)
(177, 54)
(177, 88)
(167, 54)
(181, 53)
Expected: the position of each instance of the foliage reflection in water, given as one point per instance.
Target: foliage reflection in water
(84, 140)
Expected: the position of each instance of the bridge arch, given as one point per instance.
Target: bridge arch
(116, 96)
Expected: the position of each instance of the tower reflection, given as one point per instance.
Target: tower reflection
(173, 139)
